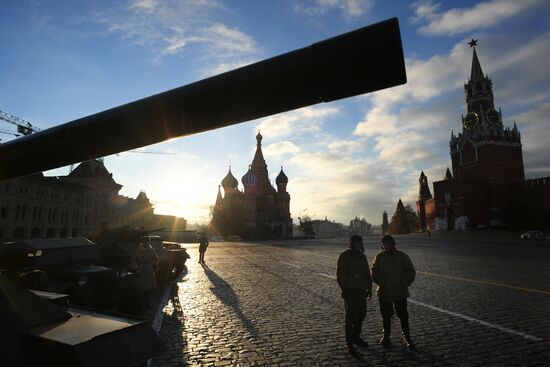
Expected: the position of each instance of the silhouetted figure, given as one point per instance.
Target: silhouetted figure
(429, 232)
(353, 276)
(146, 262)
(394, 272)
(203, 244)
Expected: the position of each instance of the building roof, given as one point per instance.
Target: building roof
(448, 175)
(249, 178)
(93, 169)
(229, 180)
(281, 178)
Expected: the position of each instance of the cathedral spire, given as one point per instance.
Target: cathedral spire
(258, 166)
(258, 160)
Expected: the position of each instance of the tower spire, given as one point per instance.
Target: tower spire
(258, 166)
(476, 72)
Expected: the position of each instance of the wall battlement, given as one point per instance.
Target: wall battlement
(541, 181)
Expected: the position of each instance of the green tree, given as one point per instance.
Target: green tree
(412, 217)
(306, 226)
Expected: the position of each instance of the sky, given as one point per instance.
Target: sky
(62, 60)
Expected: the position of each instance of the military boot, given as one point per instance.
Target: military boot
(385, 340)
(407, 341)
(352, 350)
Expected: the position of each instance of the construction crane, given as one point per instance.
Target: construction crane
(23, 127)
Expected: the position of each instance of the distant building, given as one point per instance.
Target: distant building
(360, 227)
(139, 213)
(327, 229)
(377, 229)
(487, 185)
(79, 204)
(385, 224)
(258, 211)
(424, 195)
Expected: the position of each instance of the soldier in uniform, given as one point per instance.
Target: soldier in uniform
(354, 279)
(146, 262)
(394, 273)
(203, 244)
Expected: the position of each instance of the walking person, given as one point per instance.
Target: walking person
(354, 279)
(394, 273)
(203, 244)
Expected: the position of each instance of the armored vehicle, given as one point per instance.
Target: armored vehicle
(118, 246)
(70, 266)
(172, 258)
(37, 332)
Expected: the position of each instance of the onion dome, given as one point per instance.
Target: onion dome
(281, 178)
(229, 180)
(249, 178)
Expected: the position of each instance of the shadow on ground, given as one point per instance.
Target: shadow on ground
(227, 296)
(172, 333)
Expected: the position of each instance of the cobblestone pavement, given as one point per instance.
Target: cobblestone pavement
(475, 302)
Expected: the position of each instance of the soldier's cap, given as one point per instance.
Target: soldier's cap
(388, 239)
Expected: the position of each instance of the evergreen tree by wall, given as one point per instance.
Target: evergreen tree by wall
(400, 223)
(413, 219)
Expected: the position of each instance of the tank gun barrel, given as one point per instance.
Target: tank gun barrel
(361, 61)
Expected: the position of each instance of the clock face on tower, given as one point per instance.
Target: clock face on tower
(493, 117)
(471, 120)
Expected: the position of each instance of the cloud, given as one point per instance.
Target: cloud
(339, 186)
(533, 126)
(173, 27)
(281, 148)
(350, 9)
(346, 147)
(454, 21)
(410, 124)
(306, 120)
(147, 5)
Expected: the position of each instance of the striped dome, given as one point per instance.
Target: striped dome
(249, 178)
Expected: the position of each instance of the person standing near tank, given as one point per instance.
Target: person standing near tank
(354, 279)
(203, 245)
(394, 273)
(146, 262)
